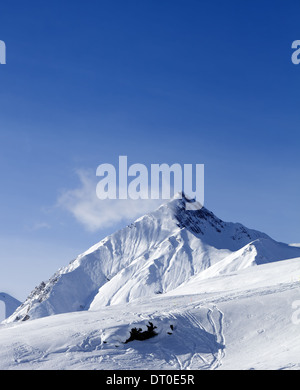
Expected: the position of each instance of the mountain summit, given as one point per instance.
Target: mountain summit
(154, 255)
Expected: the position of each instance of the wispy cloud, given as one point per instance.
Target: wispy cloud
(38, 226)
(95, 214)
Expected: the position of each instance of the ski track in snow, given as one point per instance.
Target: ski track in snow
(201, 347)
(198, 263)
(24, 353)
(213, 360)
(251, 293)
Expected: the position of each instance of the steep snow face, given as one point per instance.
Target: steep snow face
(154, 255)
(258, 252)
(11, 303)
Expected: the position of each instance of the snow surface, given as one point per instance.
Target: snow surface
(222, 296)
(11, 303)
(154, 255)
(241, 321)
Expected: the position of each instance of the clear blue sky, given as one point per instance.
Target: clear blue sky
(169, 81)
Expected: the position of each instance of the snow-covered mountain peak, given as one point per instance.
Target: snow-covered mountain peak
(193, 219)
(154, 255)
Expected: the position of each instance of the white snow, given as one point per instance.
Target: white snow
(240, 321)
(154, 255)
(221, 296)
(10, 304)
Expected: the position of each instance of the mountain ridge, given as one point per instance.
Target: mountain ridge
(153, 255)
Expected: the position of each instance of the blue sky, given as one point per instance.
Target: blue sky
(208, 82)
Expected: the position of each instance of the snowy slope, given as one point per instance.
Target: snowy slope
(260, 251)
(220, 296)
(11, 303)
(154, 255)
(241, 320)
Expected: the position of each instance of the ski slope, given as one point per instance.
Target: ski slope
(154, 255)
(239, 321)
(220, 296)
